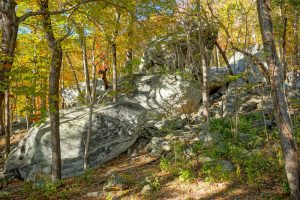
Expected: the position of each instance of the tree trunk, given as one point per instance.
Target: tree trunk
(283, 40)
(9, 31)
(74, 72)
(54, 76)
(43, 82)
(281, 109)
(203, 53)
(33, 97)
(114, 68)
(63, 85)
(296, 50)
(8, 123)
(2, 127)
(82, 41)
(223, 54)
(91, 109)
(128, 63)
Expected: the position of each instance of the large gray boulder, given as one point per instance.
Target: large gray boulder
(115, 128)
(165, 94)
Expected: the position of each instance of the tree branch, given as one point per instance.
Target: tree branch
(224, 58)
(57, 12)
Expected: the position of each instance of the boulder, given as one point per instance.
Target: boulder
(172, 50)
(165, 94)
(115, 128)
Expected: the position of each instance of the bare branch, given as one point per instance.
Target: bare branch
(223, 54)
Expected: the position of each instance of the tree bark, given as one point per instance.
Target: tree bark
(223, 54)
(283, 41)
(9, 30)
(54, 76)
(204, 63)
(82, 41)
(296, 50)
(281, 109)
(8, 123)
(2, 127)
(63, 85)
(114, 68)
(91, 109)
(73, 72)
(114, 54)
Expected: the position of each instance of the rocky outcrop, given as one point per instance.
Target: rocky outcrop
(175, 49)
(165, 94)
(115, 128)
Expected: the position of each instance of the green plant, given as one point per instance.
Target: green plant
(88, 176)
(214, 171)
(4, 194)
(64, 194)
(179, 148)
(164, 164)
(50, 188)
(186, 175)
(285, 186)
(155, 184)
(153, 181)
(27, 186)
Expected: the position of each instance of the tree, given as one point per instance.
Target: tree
(288, 143)
(82, 41)
(9, 29)
(54, 76)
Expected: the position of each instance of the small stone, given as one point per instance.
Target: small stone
(166, 146)
(94, 194)
(180, 124)
(226, 165)
(146, 189)
(156, 152)
(159, 125)
(116, 183)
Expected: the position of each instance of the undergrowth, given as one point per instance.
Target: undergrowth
(245, 154)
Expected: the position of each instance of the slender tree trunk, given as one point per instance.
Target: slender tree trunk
(283, 59)
(33, 98)
(204, 64)
(129, 53)
(54, 76)
(43, 82)
(82, 40)
(128, 63)
(91, 109)
(63, 85)
(8, 123)
(296, 50)
(205, 91)
(217, 59)
(73, 72)
(9, 32)
(223, 54)
(2, 127)
(114, 68)
(288, 144)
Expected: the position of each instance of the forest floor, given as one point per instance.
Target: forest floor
(167, 185)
